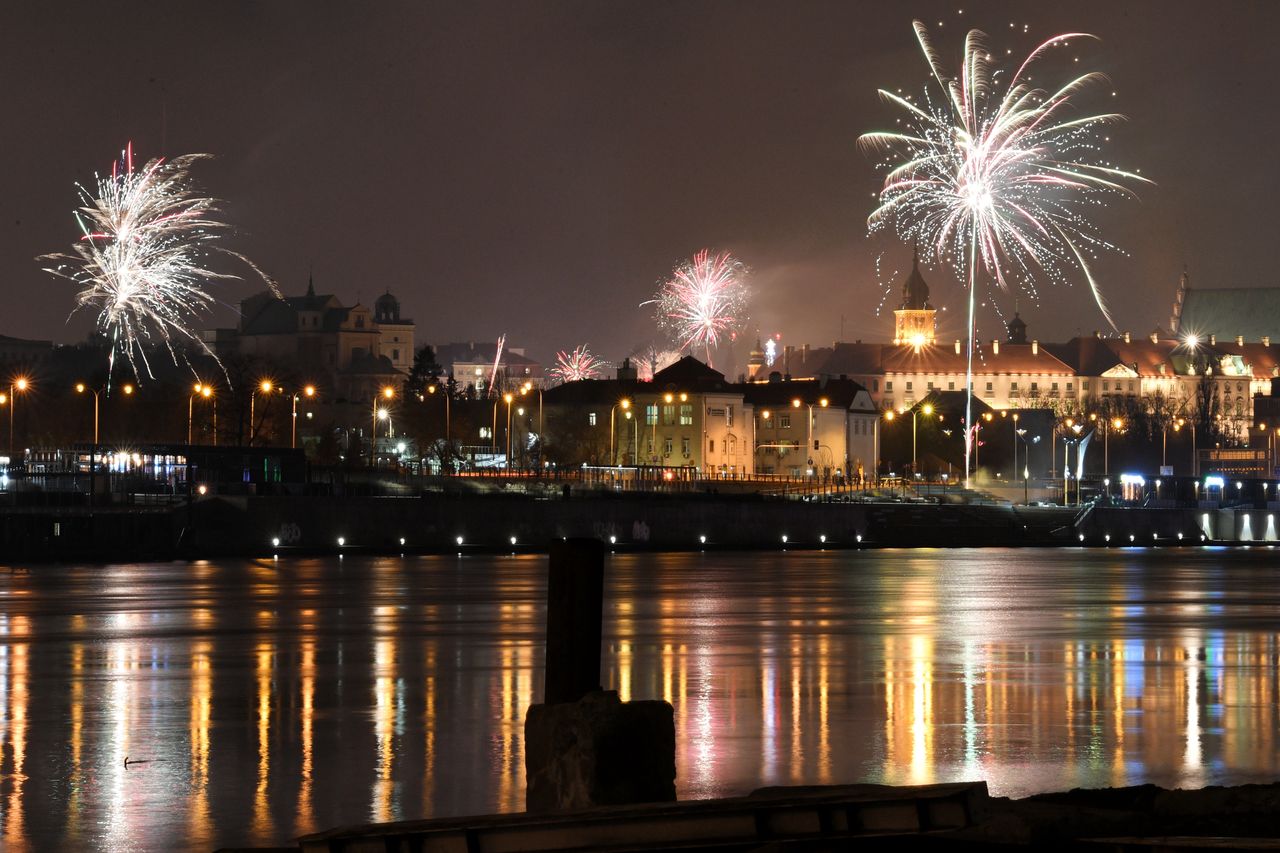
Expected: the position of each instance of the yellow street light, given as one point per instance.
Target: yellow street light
(927, 408)
(387, 393)
(823, 402)
(889, 415)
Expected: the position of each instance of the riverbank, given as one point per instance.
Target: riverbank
(442, 523)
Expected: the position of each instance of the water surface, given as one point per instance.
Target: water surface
(259, 700)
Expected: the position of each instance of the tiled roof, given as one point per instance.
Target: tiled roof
(690, 373)
(1012, 358)
(839, 393)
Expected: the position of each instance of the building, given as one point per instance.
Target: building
(23, 351)
(691, 417)
(1228, 313)
(473, 365)
(828, 427)
(915, 320)
(352, 349)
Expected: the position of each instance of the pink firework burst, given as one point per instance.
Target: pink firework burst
(577, 365)
(704, 299)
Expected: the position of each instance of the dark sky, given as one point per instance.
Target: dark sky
(535, 167)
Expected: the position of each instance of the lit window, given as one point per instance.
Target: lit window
(591, 418)
(668, 415)
(784, 421)
(686, 414)
(684, 446)
(651, 414)
(666, 446)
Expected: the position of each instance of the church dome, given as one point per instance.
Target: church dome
(386, 309)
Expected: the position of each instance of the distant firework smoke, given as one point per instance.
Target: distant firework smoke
(652, 360)
(996, 175)
(141, 262)
(577, 365)
(704, 299)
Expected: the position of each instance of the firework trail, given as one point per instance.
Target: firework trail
(704, 299)
(142, 260)
(577, 365)
(997, 175)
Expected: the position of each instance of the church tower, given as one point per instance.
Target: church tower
(914, 322)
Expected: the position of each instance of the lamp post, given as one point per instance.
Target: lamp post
(625, 404)
(431, 389)
(199, 390)
(19, 384)
(307, 391)
(528, 388)
(1021, 435)
(926, 409)
(266, 387)
(386, 394)
(508, 397)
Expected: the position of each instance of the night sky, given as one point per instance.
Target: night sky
(535, 167)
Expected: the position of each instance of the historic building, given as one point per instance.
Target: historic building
(352, 349)
(915, 321)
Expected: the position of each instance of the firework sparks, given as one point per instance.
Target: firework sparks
(703, 300)
(577, 365)
(142, 259)
(998, 176)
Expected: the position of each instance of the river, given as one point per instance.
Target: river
(260, 700)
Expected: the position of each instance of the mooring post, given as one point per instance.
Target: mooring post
(583, 746)
(575, 613)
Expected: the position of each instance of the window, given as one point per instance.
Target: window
(875, 385)
(989, 388)
(728, 416)
(684, 445)
(651, 415)
(908, 385)
(1013, 386)
(711, 445)
(359, 321)
(591, 418)
(1054, 386)
(1068, 387)
(1106, 386)
(1084, 385)
(649, 444)
(1035, 386)
(686, 414)
(784, 421)
(666, 446)
(484, 432)
(930, 386)
(888, 385)
(395, 355)
(951, 386)
(668, 415)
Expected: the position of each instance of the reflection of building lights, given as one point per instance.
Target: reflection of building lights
(823, 538)
(459, 540)
(702, 539)
(402, 540)
(513, 540)
(275, 542)
(613, 540)
(784, 539)
(202, 489)
(341, 541)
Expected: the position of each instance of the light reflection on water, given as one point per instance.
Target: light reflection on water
(259, 700)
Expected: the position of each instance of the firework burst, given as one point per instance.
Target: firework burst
(997, 175)
(142, 262)
(704, 299)
(577, 365)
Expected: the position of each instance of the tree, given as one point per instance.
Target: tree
(423, 373)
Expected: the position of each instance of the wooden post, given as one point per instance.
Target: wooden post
(575, 613)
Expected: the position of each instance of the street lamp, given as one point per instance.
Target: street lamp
(387, 393)
(19, 384)
(926, 410)
(266, 387)
(625, 404)
(431, 389)
(526, 389)
(307, 391)
(205, 391)
(1021, 434)
(507, 398)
